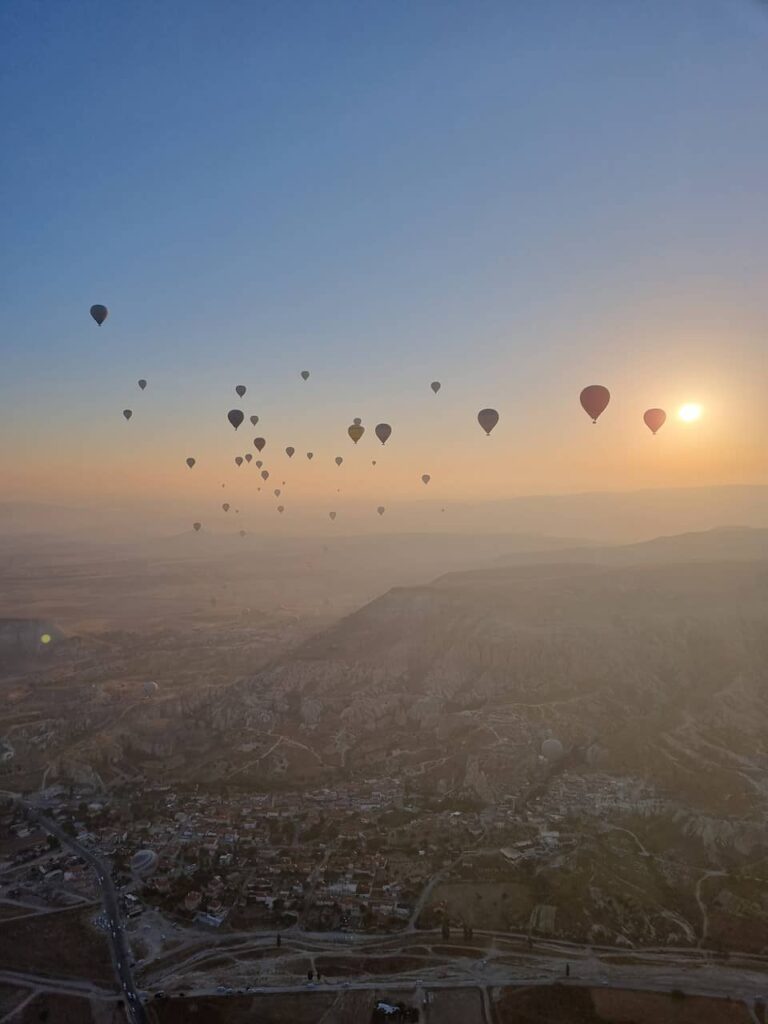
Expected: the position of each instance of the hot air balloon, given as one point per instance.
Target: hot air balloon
(373, 462)
(594, 400)
(357, 430)
(225, 506)
(196, 527)
(254, 419)
(289, 451)
(331, 515)
(127, 413)
(259, 463)
(142, 383)
(488, 418)
(381, 510)
(241, 389)
(435, 385)
(425, 478)
(310, 455)
(338, 460)
(99, 313)
(238, 460)
(190, 462)
(247, 456)
(382, 431)
(264, 474)
(242, 533)
(654, 419)
(259, 443)
(235, 417)
(305, 374)
(281, 509)
(552, 749)
(277, 492)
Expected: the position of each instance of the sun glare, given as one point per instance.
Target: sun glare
(689, 412)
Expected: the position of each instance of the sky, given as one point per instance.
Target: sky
(515, 199)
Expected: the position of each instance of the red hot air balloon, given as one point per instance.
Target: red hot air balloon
(594, 400)
(654, 419)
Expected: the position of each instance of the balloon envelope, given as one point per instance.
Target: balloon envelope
(381, 510)
(248, 456)
(338, 460)
(356, 431)
(196, 527)
(383, 431)
(225, 506)
(594, 400)
(241, 389)
(264, 474)
(331, 515)
(310, 455)
(289, 451)
(259, 443)
(487, 418)
(238, 460)
(235, 417)
(552, 749)
(426, 478)
(305, 374)
(259, 463)
(435, 385)
(281, 508)
(254, 420)
(142, 384)
(99, 313)
(127, 413)
(654, 419)
(277, 492)
(190, 462)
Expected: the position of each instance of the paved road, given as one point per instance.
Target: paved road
(120, 952)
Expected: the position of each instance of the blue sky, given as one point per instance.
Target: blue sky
(516, 198)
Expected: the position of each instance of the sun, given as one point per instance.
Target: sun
(689, 412)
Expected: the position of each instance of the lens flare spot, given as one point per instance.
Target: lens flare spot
(690, 412)
(46, 638)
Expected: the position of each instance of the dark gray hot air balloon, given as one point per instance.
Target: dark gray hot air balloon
(259, 443)
(305, 374)
(190, 462)
(435, 385)
(383, 431)
(289, 451)
(248, 456)
(142, 383)
(310, 455)
(99, 313)
(254, 420)
(487, 418)
(241, 389)
(235, 417)
(127, 413)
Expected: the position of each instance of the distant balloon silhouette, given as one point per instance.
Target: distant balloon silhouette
(331, 515)
(381, 510)
(281, 509)
(383, 432)
(426, 478)
(310, 455)
(142, 383)
(289, 451)
(196, 527)
(435, 385)
(127, 413)
(305, 374)
(356, 431)
(242, 533)
(594, 400)
(488, 418)
(99, 313)
(654, 419)
(338, 460)
(248, 456)
(190, 462)
(264, 474)
(254, 419)
(238, 460)
(259, 463)
(225, 506)
(373, 462)
(241, 389)
(259, 443)
(277, 492)
(235, 417)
